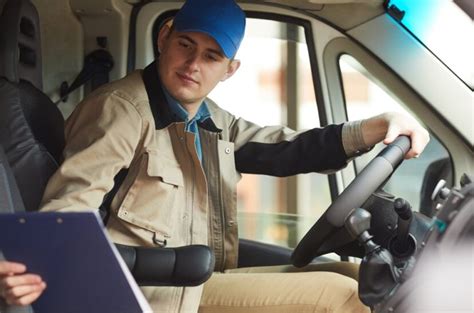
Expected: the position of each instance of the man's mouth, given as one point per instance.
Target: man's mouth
(186, 78)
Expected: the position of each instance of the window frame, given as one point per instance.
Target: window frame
(390, 81)
(358, 167)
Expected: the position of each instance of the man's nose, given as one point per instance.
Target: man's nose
(192, 61)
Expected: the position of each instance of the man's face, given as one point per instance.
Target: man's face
(191, 64)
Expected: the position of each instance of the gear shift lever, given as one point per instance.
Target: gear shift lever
(403, 245)
(358, 224)
(378, 274)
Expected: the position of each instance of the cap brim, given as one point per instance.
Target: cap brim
(226, 45)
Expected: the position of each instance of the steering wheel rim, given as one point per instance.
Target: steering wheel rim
(372, 177)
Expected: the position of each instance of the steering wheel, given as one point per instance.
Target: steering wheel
(329, 233)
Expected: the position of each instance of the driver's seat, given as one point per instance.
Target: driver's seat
(31, 126)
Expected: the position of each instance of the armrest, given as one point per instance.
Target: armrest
(183, 266)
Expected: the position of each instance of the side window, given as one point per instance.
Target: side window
(274, 86)
(414, 180)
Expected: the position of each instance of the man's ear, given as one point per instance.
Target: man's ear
(163, 35)
(231, 69)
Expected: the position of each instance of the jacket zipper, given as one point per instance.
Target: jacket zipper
(193, 169)
(221, 210)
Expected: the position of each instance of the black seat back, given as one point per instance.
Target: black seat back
(31, 126)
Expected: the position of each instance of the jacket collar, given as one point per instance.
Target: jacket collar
(162, 114)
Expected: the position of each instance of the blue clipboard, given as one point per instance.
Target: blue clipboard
(73, 255)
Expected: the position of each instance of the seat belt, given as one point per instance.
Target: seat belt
(97, 66)
(10, 198)
(104, 208)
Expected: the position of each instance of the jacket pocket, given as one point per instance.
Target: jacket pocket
(169, 172)
(153, 198)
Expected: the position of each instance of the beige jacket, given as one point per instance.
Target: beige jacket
(168, 196)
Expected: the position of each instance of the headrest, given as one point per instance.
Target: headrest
(2, 2)
(20, 44)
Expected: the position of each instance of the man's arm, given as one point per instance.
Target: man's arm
(359, 136)
(279, 151)
(101, 139)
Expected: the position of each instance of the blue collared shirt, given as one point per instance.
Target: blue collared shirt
(191, 124)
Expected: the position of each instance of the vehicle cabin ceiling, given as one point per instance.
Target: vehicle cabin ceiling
(345, 14)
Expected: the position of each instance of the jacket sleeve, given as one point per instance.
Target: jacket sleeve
(101, 137)
(280, 151)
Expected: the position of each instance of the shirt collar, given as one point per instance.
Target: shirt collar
(181, 114)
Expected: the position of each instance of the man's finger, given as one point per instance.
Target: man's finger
(419, 140)
(392, 133)
(19, 280)
(411, 154)
(11, 268)
(25, 300)
(29, 299)
(24, 290)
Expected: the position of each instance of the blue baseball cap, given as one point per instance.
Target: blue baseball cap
(223, 20)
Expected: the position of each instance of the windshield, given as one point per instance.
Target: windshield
(444, 28)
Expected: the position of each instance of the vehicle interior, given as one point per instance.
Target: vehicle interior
(309, 63)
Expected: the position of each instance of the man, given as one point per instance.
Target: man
(184, 155)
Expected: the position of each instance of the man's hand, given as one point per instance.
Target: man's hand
(18, 288)
(389, 126)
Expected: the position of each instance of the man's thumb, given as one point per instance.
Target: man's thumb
(391, 135)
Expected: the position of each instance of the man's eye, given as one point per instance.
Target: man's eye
(211, 57)
(184, 44)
